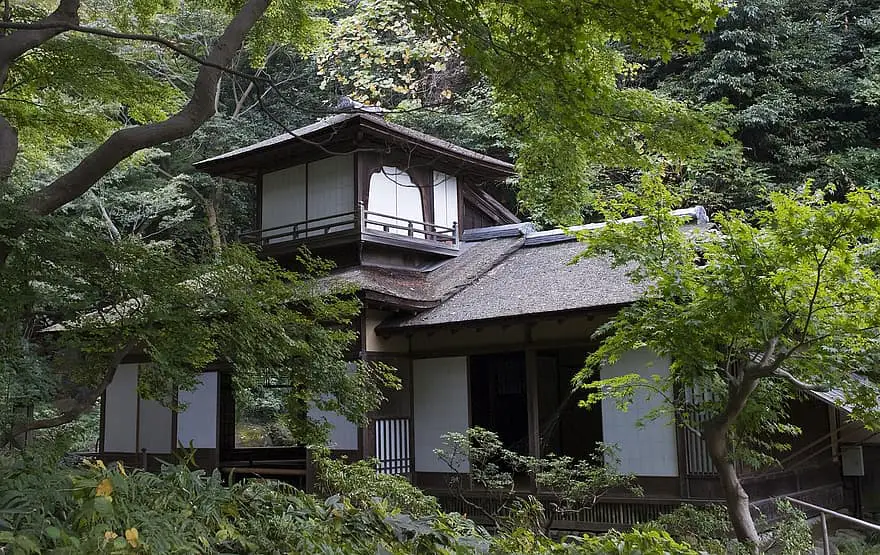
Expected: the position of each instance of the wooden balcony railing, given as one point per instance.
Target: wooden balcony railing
(365, 221)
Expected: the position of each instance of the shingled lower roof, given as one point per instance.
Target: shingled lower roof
(532, 280)
(427, 288)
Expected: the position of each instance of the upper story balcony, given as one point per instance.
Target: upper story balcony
(358, 225)
(360, 190)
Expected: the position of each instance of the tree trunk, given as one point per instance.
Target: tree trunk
(716, 432)
(736, 497)
(213, 225)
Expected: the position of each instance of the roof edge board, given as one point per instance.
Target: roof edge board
(696, 214)
(373, 123)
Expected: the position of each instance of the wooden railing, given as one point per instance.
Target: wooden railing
(315, 227)
(362, 220)
(606, 513)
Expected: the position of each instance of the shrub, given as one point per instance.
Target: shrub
(361, 485)
(708, 529)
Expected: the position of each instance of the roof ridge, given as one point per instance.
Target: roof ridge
(697, 213)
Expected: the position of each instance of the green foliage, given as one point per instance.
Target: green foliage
(478, 455)
(108, 297)
(750, 315)
(796, 78)
(359, 483)
(797, 286)
(90, 508)
(556, 69)
(93, 509)
(708, 530)
(705, 528)
(376, 56)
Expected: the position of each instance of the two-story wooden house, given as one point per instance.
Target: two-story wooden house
(484, 318)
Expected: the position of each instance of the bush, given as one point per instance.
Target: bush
(361, 485)
(89, 508)
(708, 529)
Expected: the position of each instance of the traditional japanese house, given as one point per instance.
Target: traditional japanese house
(484, 318)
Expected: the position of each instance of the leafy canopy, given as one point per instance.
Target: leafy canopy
(556, 68)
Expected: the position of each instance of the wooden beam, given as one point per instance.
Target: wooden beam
(532, 405)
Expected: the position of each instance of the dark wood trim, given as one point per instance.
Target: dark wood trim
(218, 424)
(492, 348)
(174, 426)
(137, 419)
(357, 194)
(102, 425)
(306, 199)
(487, 205)
(606, 310)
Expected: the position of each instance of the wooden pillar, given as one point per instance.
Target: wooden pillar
(534, 418)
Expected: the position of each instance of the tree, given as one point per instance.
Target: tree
(796, 78)
(557, 70)
(750, 316)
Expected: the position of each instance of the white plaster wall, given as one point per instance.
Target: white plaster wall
(155, 427)
(645, 451)
(392, 192)
(440, 405)
(284, 198)
(331, 190)
(198, 422)
(445, 199)
(380, 343)
(344, 435)
(120, 410)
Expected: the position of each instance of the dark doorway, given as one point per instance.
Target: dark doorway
(565, 427)
(498, 397)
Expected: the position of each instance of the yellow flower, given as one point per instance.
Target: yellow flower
(131, 536)
(121, 468)
(104, 489)
(100, 464)
(109, 536)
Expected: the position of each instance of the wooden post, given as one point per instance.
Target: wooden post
(410, 229)
(534, 421)
(455, 234)
(361, 217)
(826, 544)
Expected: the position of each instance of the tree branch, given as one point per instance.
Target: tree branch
(82, 404)
(779, 372)
(125, 142)
(32, 35)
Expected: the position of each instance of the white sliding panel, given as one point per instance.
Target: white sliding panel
(393, 193)
(120, 411)
(445, 199)
(198, 423)
(284, 199)
(154, 427)
(648, 450)
(440, 405)
(344, 435)
(331, 191)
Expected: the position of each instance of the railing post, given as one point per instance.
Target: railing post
(410, 228)
(826, 544)
(144, 458)
(455, 234)
(361, 217)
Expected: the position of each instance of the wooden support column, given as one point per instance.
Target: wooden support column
(534, 417)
